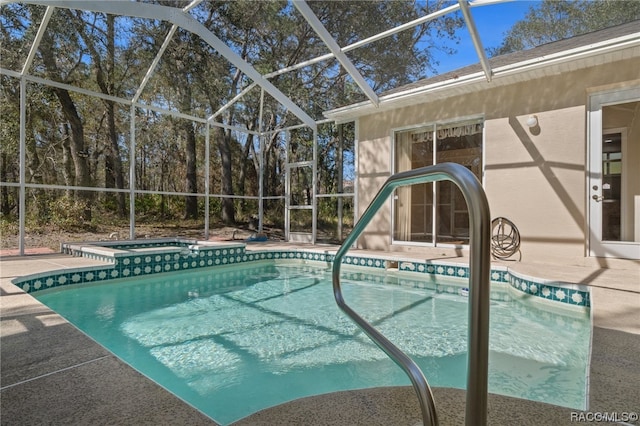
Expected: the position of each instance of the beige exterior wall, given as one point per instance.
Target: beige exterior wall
(534, 178)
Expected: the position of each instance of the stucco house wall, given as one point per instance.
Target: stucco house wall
(534, 178)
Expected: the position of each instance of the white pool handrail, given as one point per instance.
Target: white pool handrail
(479, 271)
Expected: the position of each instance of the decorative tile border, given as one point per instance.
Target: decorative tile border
(450, 270)
(160, 256)
(572, 294)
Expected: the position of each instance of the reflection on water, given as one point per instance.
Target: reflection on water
(237, 334)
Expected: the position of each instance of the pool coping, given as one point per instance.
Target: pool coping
(148, 257)
(615, 368)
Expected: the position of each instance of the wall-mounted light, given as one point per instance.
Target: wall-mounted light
(532, 121)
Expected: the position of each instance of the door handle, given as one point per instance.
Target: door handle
(598, 198)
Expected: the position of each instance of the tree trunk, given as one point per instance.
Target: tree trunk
(77, 150)
(191, 210)
(5, 206)
(67, 166)
(35, 176)
(105, 77)
(114, 176)
(113, 160)
(243, 171)
(223, 140)
(76, 145)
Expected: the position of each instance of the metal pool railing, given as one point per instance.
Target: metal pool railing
(479, 270)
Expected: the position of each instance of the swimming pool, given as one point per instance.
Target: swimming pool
(234, 340)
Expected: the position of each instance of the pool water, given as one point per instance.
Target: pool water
(234, 340)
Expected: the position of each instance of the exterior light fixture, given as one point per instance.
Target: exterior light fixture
(532, 121)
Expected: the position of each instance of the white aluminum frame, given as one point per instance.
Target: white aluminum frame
(595, 245)
(182, 18)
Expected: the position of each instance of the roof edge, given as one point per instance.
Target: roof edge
(412, 96)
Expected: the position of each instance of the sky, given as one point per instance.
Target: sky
(492, 21)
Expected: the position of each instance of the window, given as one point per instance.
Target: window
(435, 213)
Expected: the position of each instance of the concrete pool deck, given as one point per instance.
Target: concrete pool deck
(51, 373)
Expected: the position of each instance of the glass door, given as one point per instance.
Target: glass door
(435, 213)
(614, 175)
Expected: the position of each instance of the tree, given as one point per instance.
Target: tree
(9, 135)
(553, 20)
(74, 126)
(76, 140)
(71, 138)
(174, 84)
(105, 74)
(281, 38)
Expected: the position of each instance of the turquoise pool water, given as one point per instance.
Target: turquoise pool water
(234, 340)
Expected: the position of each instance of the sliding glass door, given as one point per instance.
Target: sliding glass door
(428, 213)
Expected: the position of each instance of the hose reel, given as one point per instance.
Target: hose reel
(505, 238)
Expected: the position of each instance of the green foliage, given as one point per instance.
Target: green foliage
(552, 20)
(111, 54)
(10, 116)
(8, 226)
(274, 214)
(62, 213)
(215, 207)
(66, 213)
(328, 219)
(159, 207)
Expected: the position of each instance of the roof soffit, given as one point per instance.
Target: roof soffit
(472, 78)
